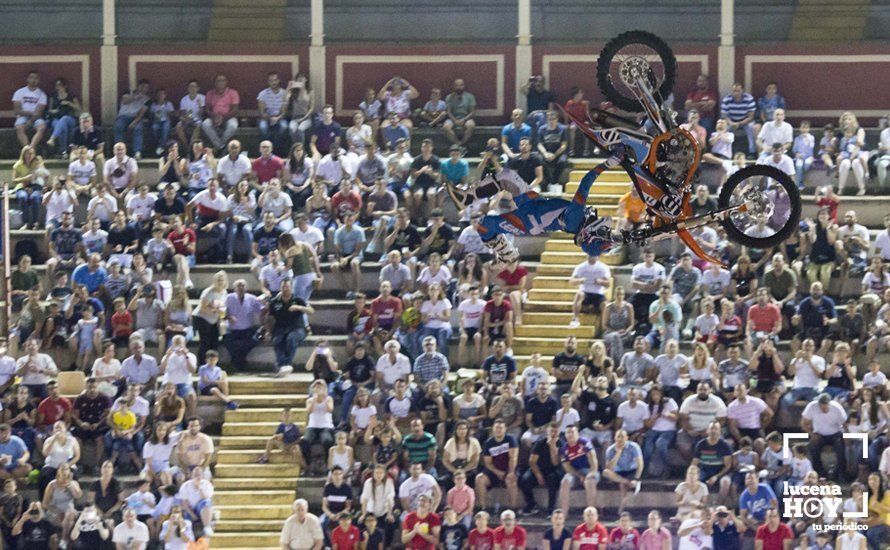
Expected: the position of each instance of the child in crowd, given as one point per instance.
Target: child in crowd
(386, 439)
(212, 380)
(142, 501)
(481, 538)
(158, 250)
(827, 198)
(87, 338)
(707, 325)
(286, 439)
(802, 149)
(776, 469)
(345, 535)
(160, 110)
(121, 323)
(828, 147)
(454, 533)
(123, 428)
(360, 415)
(342, 455)
(743, 461)
(461, 500)
(434, 111)
(800, 464)
(875, 379)
(373, 537)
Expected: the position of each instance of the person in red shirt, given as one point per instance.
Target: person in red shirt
(590, 535)
(52, 409)
(267, 166)
(386, 315)
(183, 240)
(625, 535)
(764, 320)
(347, 199)
(827, 198)
(773, 535)
(345, 535)
(481, 538)
(509, 536)
(121, 322)
(497, 319)
(704, 100)
(514, 278)
(420, 530)
(578, 108)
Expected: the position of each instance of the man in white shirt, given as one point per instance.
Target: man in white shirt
(632, 414)
(178, 366)
(233, 167)
(775, 131)
(207, 211)
(196, 496)
(272, 104)
(418, 484)
(130, 533)
(697, 412)
(470, 319)
(855, 239)
(645, 279)
(778, 159)
(882, 241)
(592, 277)
(82, 171)
(306, 233)
(824, 421)
(191, 113)
(141, 206)
(332, 168)
(302, 530)
(391, 366)
(120, 171)
(61, 198)
(29, 102)
(807, 369)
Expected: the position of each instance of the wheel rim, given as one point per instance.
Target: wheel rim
(632, 62)
(768, 207)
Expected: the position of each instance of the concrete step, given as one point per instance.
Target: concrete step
(253, 484)
(255, 386)
(595, 196)
(546, 306)
(249, 525)
(530, 344)
(552, 282)
(554, 331)
(251, 428)
(256, 443)
(570, 257)
(263, 415)
(609, 176)
(272, 400)
(241, 456)
(257, 470)
(538, 318)
(269, 498)
(237, 539)
(552, 294)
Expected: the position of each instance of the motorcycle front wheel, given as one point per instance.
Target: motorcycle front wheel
(772, 206)
(632, 55)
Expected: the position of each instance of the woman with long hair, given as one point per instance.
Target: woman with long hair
(178, 316)
(299, 171)
(462, 452)
(170, 166)
(436, 314)
(301, 105)
(320, 424)
(318, 207)
(156, 454)
(701, 366)
(598, 363)
(852, 153)
(878, 512)
(28, 178)
(617, 324)
(470, 273)
(59, 499)
(61, 448)
(824, 245)
(242, 210)
(661, 429)
(209, 312)
(692, 494)
(62, 111)
(378, 498)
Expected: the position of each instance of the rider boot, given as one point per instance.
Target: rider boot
(596, 228)
(503, 249)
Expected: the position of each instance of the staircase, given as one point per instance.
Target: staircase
(829, 20)
(247, 21)
(253, 500)
(548, 312)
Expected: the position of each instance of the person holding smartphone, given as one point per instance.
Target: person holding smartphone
(89, 531)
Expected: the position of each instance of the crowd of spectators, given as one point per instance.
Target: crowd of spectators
(690, 356)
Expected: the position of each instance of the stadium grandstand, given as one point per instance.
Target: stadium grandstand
(240, 309)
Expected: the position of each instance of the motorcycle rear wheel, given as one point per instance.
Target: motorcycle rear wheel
(635, 43)
(776, 200)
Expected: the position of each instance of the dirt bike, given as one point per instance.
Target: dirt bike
(758, 206)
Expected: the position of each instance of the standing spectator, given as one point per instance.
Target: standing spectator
(704, 100)
(302, 529)
(62, 112)
(773, 535)
(191, 113)
(552, 145)
(590, 534)
(325, 135)
(222, 107)
(130, 116)
(824, 421)
(461, 108)
(739, 108)
(243, 311)
(285, 320)
(539, 100)
(578, 108)
(29, 103)
(272, 105)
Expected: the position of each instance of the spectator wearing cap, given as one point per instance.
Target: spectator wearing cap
(460, 108)
(392, 365)
(552, 146)
(149, 312)
(824, 421)
(243, 311)
(425, 177)
(349, 242)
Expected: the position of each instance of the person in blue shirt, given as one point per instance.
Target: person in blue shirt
(513, 133)
(91, 274)
(286, 439)
(769, 102)
(12, 446)
(349, 244)
(726, 529)
(624, 466)
(755, 500)
(455, 170)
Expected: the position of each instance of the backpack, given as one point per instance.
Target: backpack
(27, 247)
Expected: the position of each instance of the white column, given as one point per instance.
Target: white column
(523, 49)
(108, 65)
(726, 50)
(317, 64)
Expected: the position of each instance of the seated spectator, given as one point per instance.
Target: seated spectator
(527, 164)
(267, 166)
(512, 133)
(423, 524)
(272, 105)
(692, 494)
(632, 415)
(593, 277)
(425, 173)
(393, 131)
(470, 411)
(360, 135)
(823, 419)
(418, 486)
(713, 456)
(624, 465)
(195, 496)
(29, 177)
(461, 106)
(58, 501)
(131, 115)
(697, 412)
(222, 105)
(325, 137)
(396, 96)
(278, 203)
(123, 423)
(157, 452)
(580, 464)
(159, 110)
(65, 244)
(398, 167)
(500, 455)
(369, 167)
(660, 431)
(774, 130)
(381, 206)
(349, 241)
(552, 145)
(739, 108)
(286, 440)
(191, 113)
(29, 104)
(434, 113)
(543, 470)
(497, 319)
(462, 452)
(212, 380)
(34, 526)
(507, 406)
(88, 135)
